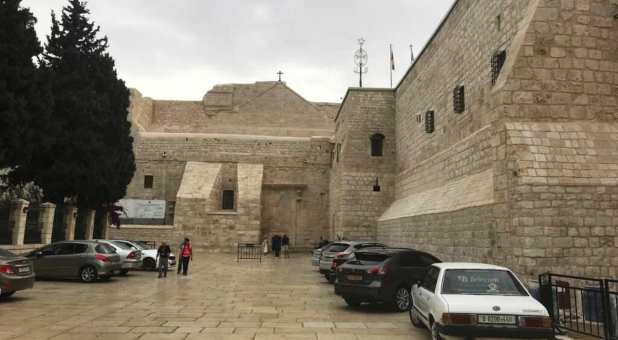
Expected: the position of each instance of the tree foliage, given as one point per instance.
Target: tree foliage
(91, 158)
(25, 98)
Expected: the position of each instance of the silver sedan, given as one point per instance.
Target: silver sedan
(131, 258)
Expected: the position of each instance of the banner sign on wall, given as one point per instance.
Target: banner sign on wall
(142, 209)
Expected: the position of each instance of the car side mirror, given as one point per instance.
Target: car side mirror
(38, 254)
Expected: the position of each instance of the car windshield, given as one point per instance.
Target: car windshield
(481, 282)
(337, 247)
(121, 245)
(371, 257)
(103, 248)
(143, 245)
(6, 253)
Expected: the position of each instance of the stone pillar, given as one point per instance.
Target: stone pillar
(70, 215)
(17, 221)
(46, 220)
(89, 225)
(105, 221)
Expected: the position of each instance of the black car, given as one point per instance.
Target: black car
(382, 275)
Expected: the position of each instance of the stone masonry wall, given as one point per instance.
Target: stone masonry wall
(287, 162)
(355, 206)
(554, 182)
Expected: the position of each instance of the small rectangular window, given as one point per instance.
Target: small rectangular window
(227, 201)
(148, 181)
(429, 121)
(497, 61)
(459, 104)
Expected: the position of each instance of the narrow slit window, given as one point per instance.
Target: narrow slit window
(148, 182)
(497, 61)
(227, 200)
(429, 121)
(377, 145)
(459, 103)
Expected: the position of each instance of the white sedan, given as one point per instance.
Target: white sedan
(472, 300)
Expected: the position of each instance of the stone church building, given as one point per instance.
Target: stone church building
(500, 145)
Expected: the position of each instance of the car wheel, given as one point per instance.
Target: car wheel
(88, 274)
(435, 335)
(352, 302)
(149, 264)
(414, 318)
(401, 299)
(6, 295)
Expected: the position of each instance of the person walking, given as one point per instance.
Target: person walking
(163, 254)
(186, 255)
(285, 245)
(276, 244)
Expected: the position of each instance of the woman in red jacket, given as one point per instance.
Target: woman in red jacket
(186, 255)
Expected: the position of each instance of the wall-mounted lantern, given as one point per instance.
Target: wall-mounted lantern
(376, 186)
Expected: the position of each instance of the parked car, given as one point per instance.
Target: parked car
(15, 273)
(477, 300)
(342, 250)
(149, 254)
(382, 275)
(317, 254)
(86, 260)
(131, 257)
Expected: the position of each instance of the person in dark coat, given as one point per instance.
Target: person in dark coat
(285, 245)
(276, 244)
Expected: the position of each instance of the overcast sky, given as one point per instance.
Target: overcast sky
(179, 49)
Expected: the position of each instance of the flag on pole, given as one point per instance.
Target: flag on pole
(392, 58)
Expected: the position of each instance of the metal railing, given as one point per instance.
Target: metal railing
(249, 251)
(581, 304)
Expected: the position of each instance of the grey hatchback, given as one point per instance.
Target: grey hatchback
(86, 260)
(15, 273)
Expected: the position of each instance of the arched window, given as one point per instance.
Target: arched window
(377, 144)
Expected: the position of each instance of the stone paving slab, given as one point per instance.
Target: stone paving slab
(282, 299)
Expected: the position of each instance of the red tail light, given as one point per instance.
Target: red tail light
(102, 258)
(132, 255)
(535, 322)
(6, 269)
(378, 270)
(458, 319)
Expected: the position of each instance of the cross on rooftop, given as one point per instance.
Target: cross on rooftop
(279, 74)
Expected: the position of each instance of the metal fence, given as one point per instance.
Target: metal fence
(581, 304)
(33, 225)
(249, 251)
(58, 230)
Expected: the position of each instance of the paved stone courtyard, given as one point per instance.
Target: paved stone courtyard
(220, 299)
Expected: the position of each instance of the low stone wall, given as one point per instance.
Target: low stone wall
(462, 235)
(21, 249)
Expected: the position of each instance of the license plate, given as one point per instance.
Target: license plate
(354, 277)
(23, 270)
(497, 319)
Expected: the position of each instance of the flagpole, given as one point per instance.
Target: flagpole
(390, 67)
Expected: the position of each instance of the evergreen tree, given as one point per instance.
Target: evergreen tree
(92, 157)
(25, 99)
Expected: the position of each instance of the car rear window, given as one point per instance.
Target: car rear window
(338, 247)
(103, 248)
(121, 245)
(371, 257)
(481, 282)
(6, 253)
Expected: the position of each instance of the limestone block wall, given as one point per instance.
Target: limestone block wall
(355, 206)
(140, 111)
(264, 108)
(288, 163)
(563, 197)
(545, 129)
